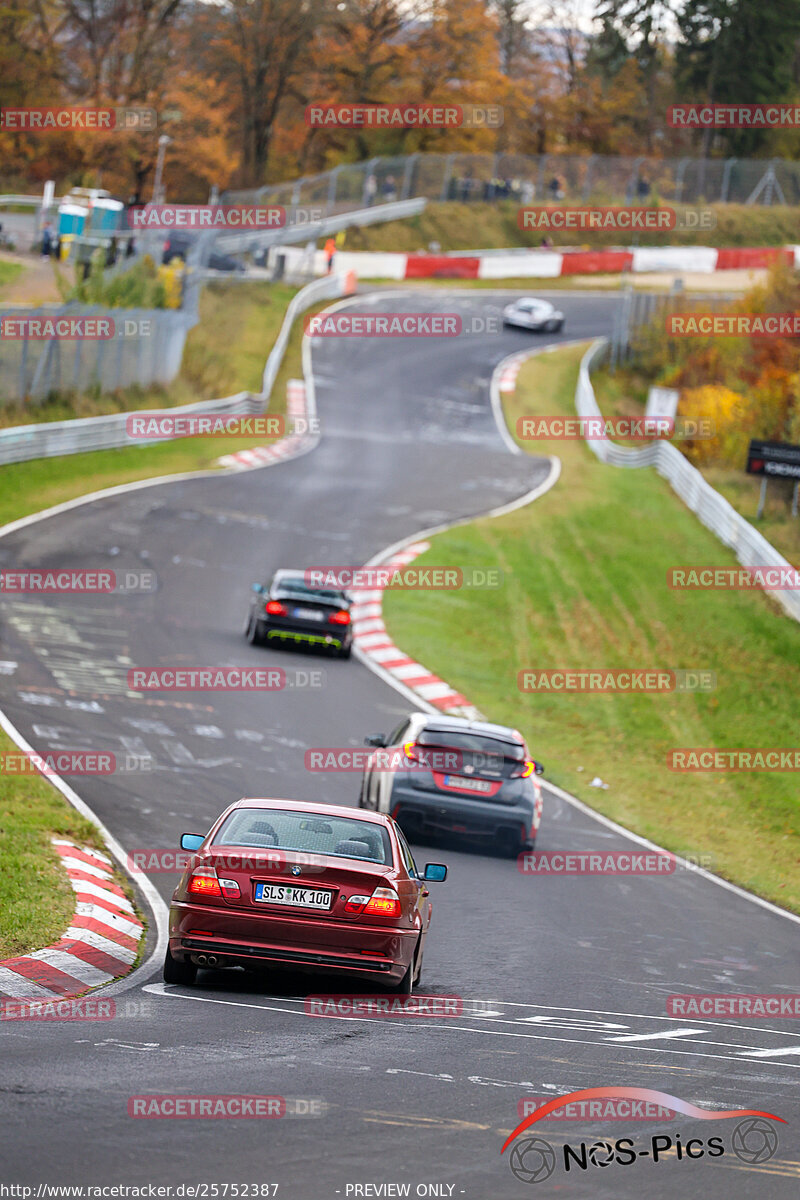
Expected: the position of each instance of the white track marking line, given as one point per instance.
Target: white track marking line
(159, 989)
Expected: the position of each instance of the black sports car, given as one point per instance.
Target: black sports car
(289, 611)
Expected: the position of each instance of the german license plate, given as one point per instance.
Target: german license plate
(293, 897)
(469, 785)
(309, 614)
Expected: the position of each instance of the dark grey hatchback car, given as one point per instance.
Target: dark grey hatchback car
(450, 775)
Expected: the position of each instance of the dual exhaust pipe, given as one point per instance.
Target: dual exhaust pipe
(208, 960)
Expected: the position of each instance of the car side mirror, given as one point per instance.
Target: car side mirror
(435, 873)
(258, 588)
(538, 768)
(191, 841)
(377, 739)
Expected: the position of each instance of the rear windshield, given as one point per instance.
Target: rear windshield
(485, 754)
(298, 586)
(341, 837)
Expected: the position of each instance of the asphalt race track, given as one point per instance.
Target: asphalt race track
(575, 971)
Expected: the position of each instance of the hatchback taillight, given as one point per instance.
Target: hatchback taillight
(342, 617)
(523, 770)
(275, 608)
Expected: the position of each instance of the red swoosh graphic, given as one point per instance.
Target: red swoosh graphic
(636, 1093)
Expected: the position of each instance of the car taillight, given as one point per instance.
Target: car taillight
(230, 889)
(204, 882)
(384, 902)
(342, 617)
(275, 608)
(410, 751)
(523, 771)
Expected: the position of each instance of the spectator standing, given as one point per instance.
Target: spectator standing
(330, 253)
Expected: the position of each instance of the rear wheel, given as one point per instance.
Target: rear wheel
(251, 632)
(508, 843)
(178, 972)
(406, 985)
(343, 652)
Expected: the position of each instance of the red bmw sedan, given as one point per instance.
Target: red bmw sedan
(288, 885)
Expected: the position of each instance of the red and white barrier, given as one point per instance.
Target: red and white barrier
(549, 264)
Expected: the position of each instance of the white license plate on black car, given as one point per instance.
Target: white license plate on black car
(293, 897)
(309, 614)
(469, 785)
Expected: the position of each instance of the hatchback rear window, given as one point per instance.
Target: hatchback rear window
(487, 755)
(341, 837)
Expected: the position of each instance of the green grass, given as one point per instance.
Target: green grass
(584, 571)
(36, 899)
(9, 271)
(481, 226)
(44, 482)
(625, 394)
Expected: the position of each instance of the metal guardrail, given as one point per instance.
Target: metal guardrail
(9, 201)
(713, 510)
(237, 243)
(23, 442)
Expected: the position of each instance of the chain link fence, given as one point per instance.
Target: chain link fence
(146, 348)
(639, 310)
(595, 178)
(50, 438)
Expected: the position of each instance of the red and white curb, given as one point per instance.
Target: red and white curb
(101, 943)
(261, 456)
(509, 370)
(371, 638)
